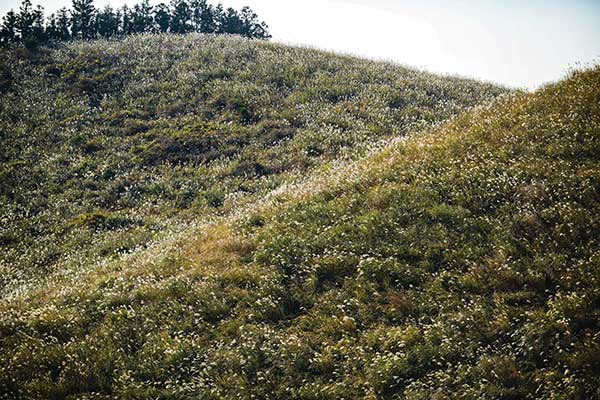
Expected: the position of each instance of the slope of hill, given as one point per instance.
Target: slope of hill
(106, 145)
(460, 263)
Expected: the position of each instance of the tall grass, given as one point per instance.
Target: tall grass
(461, 262)
(105, 145)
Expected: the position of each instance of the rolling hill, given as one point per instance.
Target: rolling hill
(107, 145)
(199, 217)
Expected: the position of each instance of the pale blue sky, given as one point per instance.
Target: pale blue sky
(516, 43)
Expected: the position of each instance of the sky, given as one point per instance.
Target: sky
(518, 43)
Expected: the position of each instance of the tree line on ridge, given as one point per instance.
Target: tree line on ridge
(29, 27)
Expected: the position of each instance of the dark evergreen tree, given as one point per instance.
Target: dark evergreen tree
(57, 26)
(52, 27)
(25, 19)
(126, 25)
(230, 22)
(252, 27)
(63, 22)
(218, 12)
(107, 22)
(180, 17)
(196, 7)
(38, 30)
(142, 19)
(8, 32)
(203, 16)
(83, 19)
(209, 20)
(162, 18)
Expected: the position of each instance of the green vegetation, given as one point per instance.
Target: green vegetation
(155, 131)
(460, 262)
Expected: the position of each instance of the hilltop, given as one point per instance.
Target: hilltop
(461, 261)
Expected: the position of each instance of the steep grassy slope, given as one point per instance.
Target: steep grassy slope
(107, 144)
(460, 263)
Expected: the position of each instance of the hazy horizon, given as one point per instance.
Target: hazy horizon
(514, 44)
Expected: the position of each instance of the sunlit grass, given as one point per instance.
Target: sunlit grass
(461, 261)
(108, 144)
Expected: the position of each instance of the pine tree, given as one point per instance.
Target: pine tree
(63, 23)
(108, 22)
(230, 22)
(52, 27)
(126, 26)
(209, 20)
(142, 20)
(83, 19)
(180, 17)
(8, 32)
(57, 26)
(252, 28)
(203, 16)
(218, 17)
(196, 7)
(162, 18)
(25, 19)
(38, 30)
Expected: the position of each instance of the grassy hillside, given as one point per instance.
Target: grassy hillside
(108, 145)
(463, 262)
